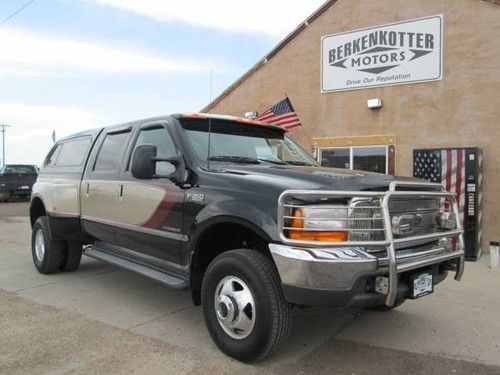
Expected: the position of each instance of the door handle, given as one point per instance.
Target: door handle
(87, 189)
(120, 193)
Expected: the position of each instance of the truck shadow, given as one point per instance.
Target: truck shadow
(131, 301)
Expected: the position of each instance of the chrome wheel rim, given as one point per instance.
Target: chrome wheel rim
(234, 306)
(39, 245)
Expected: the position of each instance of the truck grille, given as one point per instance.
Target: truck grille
(420, 215)
(415, 216)
(366, 221)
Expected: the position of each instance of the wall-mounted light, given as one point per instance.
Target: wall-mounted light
(251, 115)
(374, 103)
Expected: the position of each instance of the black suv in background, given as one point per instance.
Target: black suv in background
(16, 180)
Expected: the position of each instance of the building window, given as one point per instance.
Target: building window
(364, 158)
(336, 157)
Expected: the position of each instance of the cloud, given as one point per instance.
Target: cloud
(30, 137)
(28, 54)
(272, 17)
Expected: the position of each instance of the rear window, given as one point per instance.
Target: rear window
(18, 169)
(111, 152)
(73, 152)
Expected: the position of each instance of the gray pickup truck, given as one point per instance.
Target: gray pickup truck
(235, 211)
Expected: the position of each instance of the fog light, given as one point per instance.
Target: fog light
(405, 224)
(446, 243)
(447, 220)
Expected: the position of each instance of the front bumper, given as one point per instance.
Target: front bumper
(345, 277)
(7, 190)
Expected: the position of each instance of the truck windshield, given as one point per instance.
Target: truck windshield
(233, 142)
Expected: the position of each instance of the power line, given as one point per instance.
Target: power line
(16, 12)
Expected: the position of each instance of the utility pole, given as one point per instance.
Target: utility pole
(3, 126)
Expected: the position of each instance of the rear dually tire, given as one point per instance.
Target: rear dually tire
(47, 253)
(72, 256)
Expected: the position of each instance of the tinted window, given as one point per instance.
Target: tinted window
(51, 159)
(110, 154)
(159, 137)
(73, 152)
(232, 139)
(165, 147)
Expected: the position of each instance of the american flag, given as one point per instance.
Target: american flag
(445, 166)
(281, 114)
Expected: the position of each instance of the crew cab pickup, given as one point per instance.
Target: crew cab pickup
(235, 211)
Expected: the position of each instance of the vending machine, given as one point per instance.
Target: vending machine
(459, 170)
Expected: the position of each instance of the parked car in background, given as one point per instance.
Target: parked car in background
(16, 180)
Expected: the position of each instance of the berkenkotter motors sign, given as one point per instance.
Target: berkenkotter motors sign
(398, 53)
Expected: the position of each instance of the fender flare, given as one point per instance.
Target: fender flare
(246, 215)
(33, 198)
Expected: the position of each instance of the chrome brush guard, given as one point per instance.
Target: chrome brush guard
(395, 263)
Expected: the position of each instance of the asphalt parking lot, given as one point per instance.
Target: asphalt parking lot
(101, 319)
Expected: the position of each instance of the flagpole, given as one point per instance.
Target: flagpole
(4, 126)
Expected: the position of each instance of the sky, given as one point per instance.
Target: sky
(71, 65)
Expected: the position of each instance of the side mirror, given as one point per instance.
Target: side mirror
(143, 166)
(146, 165)
(179, 175)
(325, 162)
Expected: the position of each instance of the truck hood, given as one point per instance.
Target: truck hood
(302, 177)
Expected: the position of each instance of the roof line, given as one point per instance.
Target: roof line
(322, 9)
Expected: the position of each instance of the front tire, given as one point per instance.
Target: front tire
(47, 253)
(245, 310)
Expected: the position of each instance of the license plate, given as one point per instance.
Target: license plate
(421, 285)
(24, 187)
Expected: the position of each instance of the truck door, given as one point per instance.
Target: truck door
(150, 211)
(100, 187)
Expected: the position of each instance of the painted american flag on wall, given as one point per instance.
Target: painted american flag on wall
(446, 166)
(282, 114)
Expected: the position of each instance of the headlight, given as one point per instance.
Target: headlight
(325, 223)
(447, 220)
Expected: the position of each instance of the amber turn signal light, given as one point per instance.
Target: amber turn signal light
(321, 236)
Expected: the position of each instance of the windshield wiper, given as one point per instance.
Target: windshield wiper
(250, 160)
(296, 162)
(234, 159)
(272, 161)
